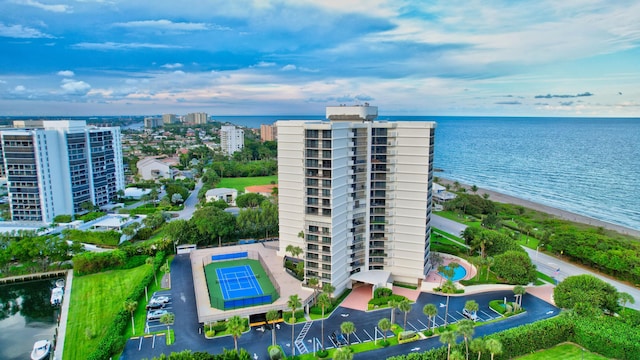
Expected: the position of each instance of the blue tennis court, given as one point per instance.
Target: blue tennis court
(238, 282)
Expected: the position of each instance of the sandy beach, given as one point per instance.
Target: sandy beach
(562, 214)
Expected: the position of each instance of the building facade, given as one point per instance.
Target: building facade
(268, 132)
(54, 167)
(151, 123)
(231, 139)
(355, 195)
(170, 119)
(196, 118)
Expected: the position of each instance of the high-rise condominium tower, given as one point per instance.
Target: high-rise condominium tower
(355, 195)
(53, 167)
(231, 139)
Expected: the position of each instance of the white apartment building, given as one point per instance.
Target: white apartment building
(196, 118)
(231, 139)
(53, 167)
(360, 192)
(170, 119)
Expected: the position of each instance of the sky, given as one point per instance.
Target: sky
(294, 57)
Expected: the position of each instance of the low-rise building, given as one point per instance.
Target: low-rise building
(151, 168)
(226, 194)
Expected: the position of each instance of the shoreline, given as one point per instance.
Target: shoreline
(558, 213)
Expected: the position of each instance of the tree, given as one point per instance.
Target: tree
(448, 337)
(324, 302)
(474, 189)
(519, 292)
(293, 303)
(272, 316)
(347, 328)
(431, 311)
(493, 346)
(87, 206)
(168, 319)
(405, 307)
(456, 355)
(393, 305)
(466, 329)
(586, 290)
(213, 224)
(477, 345)
(176, 199)
(448, 288)
(131, 307)
(471, 306)
(384, 325)
(313, 282)
(235, 327)
(249, 200)
(489, 261)
(293, 250)
(343, 353)
(149, 261)
(328, 288)
(515, 267)
(625, 298)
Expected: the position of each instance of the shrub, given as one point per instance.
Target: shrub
(515, 267)
(210, 333)
(427, 333)
(275, 353)
(382, 292)
(322, 354)
(62, 219)
(383, 343)
(407, 336)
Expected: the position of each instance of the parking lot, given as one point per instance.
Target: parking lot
(155, 325)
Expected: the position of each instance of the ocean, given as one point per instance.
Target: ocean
(589, 166)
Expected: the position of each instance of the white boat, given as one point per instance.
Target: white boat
(56, 296)
(60, 283)
(40, 349)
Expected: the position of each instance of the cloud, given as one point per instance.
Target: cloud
(73, 87)
(264, 64)
(20, 89)
(66, 73)
(21, 32)
(564, 96)
(168, 25)
(172, 66)
(58, 8)
(508, 103)
(122, 46)
(566, 103)
(288, 67)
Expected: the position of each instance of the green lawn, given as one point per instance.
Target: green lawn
(240, 183)
(563, 352)
(94, 301)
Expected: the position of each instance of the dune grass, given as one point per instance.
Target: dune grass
(95, 299)
(563, 352)
(240, 183)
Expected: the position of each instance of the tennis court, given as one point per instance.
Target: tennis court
(238, 282)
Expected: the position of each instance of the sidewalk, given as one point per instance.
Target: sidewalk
(64, 315)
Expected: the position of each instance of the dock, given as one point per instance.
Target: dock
(28, 277)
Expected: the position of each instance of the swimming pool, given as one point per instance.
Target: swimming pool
(458, 273)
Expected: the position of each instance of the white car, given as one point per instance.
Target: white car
(470, 314)
(156, 314)
(161, 299)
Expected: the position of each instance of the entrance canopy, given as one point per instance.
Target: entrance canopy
(373, 277)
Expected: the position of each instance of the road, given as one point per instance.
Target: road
(189, 204)
(546, 264)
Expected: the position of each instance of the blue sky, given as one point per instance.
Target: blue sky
(237, 57)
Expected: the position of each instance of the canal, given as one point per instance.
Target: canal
(26, 316)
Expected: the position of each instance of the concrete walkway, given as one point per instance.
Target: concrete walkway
(64, 315)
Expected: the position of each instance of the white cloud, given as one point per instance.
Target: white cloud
(122, 46)
(73, 87)
(21, 32)
(66, 73)
(20, 88)
(59, 8)
(172, 66)
(264, 64)
(164, 25)
(288, 67)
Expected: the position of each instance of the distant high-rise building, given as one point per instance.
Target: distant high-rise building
(355, 195)
(53, 167)
(196, 118)
(268, 132)
(231, 139)
(151, 123)
(169, 119)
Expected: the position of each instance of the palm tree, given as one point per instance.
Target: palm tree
(405, 307)
(131, 306)
(149, 261)
(489, 261)
(235, 326)
(448, 288)
(477, 345)
(393, 304)
(328, 289)
(519, 291)
(293, 303)
(384, 325)
(324, 302)
(474, 189)
(448, 337)
(494, 346)
(431, 311)
(625, 298)
(167, 319)
(313, 282)
(343, 353)
(347, 328)
(272, 316)
(456, 355)
(465, 328)
(471, 306)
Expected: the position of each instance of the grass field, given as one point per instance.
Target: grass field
(563, 352)
(215, 293)
(94, 301)
(240, 183)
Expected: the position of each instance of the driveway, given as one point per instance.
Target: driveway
(255, 341)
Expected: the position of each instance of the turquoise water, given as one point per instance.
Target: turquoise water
(589, 166)
(458, 274)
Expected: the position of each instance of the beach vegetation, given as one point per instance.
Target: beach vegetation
(515, 267)
(584, 291)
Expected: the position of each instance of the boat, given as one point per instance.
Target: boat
(41, 349)
(56, 296)
(60, 283)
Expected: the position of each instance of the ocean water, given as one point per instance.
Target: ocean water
(589, 166)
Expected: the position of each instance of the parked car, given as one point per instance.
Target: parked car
(156, 314)
(470, 314)
(161, 299)
(152, 305)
